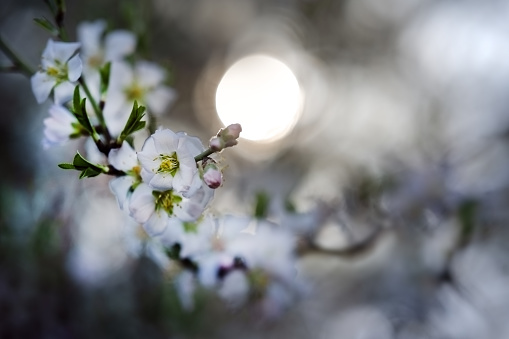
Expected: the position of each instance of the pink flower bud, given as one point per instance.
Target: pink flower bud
(216, 144)
(230, 134)
(212, 176)
(234, 130)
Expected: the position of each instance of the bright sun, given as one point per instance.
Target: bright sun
(262, 94)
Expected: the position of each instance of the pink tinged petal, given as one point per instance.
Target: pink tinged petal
(120, 188)
(159, 99)
(123, 158)
(42, 84)
(161, 181)
(142, 204)
(165, 141)
(156, 224)
(89, 34)
(119, 44)
(149, 74)
(74, 68)
(63, 93)
(63, 51)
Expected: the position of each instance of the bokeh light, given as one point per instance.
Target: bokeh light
(263, 95)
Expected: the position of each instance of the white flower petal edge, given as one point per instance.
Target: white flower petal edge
(120, 188)
(123, 158)
(118, 44)
(142, 204)
(42, 84)
(58, 126)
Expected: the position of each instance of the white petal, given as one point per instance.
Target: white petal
(120, 188)
(123, 158)
(159, 99)
(162, 181)
(119, 44)
(235, 288)
(63, 51)
(63, 93)
(42, 84)
(89, 34)
(149, 74)
(146, 176)
(74, 68)
(173, 232)
(156, 224)
(121, 76)
(165, 141)
(142, 204)
(149, 161)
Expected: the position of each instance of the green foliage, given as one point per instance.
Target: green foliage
(87, 168)
(47, 25)
(262, 205)
(134, 122)
(80, 112)
(105, 77)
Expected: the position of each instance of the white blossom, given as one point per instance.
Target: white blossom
(59, 126)
(168, 161)
(124, 159)
(60, 68)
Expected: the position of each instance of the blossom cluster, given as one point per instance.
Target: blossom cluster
(101, 94)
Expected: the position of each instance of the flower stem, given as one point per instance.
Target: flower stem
(18, 63)
(204, 154)
(97, 110)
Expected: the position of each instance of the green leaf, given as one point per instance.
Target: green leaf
(262, 205)
(87, 168)
(80, 112)
(47, 25)
(105, 77)
(134, 122)
(66, 166)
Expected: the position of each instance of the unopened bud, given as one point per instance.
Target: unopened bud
(216, 144)
(230, 134)
(212, 176)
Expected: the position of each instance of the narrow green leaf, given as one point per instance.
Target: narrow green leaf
(76, 100)
(47, 25)
(89, 173)
(134, 122)
(105, 77)
(66, 166)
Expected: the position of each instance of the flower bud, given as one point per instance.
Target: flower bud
(230, 134)
(212, 176)
(216, 144)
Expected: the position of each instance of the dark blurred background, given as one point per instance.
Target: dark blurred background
(402, 127)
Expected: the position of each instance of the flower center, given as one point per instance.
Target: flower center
(59, 72)
(96, 60)
(166, 200)
(134, 92)
(169, 163)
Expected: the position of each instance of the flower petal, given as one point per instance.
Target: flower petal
(42, 84)
(149, 74)
(61, 51)
(89, 34)
(165, 141)
(123, 158)
(156, 224)
(159, 99)
(161, 181)
(142, 204)
(74, 68)
(119, 44)
(63, 93)
(120, 188)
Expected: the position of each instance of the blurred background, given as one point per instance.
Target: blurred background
(393, 114)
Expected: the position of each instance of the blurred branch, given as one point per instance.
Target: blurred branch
(18, 64)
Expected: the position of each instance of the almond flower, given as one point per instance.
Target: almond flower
(124, 159)
(60, 68)
(155, 209)
(168, 162)
(59, 127)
